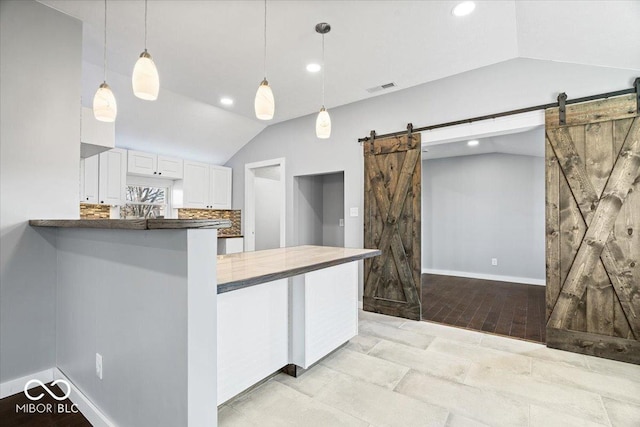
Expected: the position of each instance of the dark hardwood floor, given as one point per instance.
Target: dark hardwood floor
(13, 414)
(501, 308)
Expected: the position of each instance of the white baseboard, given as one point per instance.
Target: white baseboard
(360, 305)
(84, 405)
(9, 388)
(498, 278)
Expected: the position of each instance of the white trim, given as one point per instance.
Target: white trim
(91, 412)
(360, 305)
(11, 387)
(499, 278)
(249, 217)
(485, 128)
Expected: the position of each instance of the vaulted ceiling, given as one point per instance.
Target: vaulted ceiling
(208, 49)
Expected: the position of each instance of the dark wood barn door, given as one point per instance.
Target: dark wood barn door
(593, 229)
(392, 183)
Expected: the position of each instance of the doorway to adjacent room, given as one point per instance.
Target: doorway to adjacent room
(319, 209)
(265, 206)
(483, 188)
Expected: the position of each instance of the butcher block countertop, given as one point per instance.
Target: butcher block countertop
(132, 224)
(241, 270)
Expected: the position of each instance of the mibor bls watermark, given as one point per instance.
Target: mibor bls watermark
(47, 408)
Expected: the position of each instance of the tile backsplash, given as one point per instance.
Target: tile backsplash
(234, 215)
(88, 211)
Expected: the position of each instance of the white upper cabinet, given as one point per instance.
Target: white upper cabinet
(170, 167)
(220, 187)
(147, 164)
(112, 177)
(89, 179)
(204, 187)
(140, 163)
(196, 185)
(103, 178)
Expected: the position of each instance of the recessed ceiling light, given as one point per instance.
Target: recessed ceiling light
(313, 68)
(473, 143)
(464, 8)
(226, 101)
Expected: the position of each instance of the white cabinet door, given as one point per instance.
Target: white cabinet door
(113, 177)
(89, 178)
(220, 187)
(196, 185)
(140, 163)
(169, 167)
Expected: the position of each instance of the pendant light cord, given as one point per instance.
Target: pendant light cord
(265, 40)
(145, 25)
(104, 59)
(323, 71)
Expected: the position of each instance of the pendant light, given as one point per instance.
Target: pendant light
(105, 108)
(145, 79)
(264, 103)
(323, 122)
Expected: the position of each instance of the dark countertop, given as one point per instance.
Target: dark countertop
(132, 224)
(241, 270)
(235, 236)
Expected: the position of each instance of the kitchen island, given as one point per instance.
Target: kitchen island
(283, 308)
(165, 315)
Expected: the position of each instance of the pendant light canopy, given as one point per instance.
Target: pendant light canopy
(265, 103)
(323, 122)
(145, 79)
(105, 107)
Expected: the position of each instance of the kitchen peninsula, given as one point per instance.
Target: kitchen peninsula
(176, 325)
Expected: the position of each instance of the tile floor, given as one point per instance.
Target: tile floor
(406, 373)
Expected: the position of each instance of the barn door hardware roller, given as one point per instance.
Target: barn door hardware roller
(562, 104)
(636, 84)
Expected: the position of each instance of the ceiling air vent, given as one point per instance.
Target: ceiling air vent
(381, 87)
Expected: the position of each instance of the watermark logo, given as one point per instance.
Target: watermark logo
(47, 389)
(47, 408)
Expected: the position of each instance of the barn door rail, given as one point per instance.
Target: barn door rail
(635, 89)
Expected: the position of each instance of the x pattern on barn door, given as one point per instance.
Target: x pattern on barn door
(593, 229)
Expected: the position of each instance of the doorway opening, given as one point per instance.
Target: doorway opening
(265, 205)
(483, 219)
(319, 209)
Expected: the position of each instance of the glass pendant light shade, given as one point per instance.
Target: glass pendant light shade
(323, 124)
(105, 108)
(145, 79)
(264, 104)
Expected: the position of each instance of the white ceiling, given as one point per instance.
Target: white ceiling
(208, 49)
(528, 143)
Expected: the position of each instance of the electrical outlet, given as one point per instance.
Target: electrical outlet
(99, 365)
(353, 212)
(341, 223)
(494, 261)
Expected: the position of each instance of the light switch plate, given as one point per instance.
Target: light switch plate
(99, 365)
(353, 212)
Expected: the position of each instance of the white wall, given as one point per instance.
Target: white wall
(123, 294)
(268, 200)
(308, 211)
(40, 79)
(475, 208)
(504, 86)
(332, 209)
